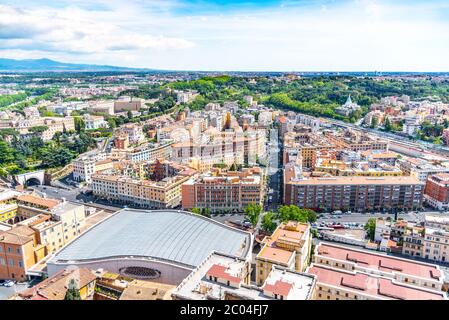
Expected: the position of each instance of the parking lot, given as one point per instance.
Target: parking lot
(362, 218)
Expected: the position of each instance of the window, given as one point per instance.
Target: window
(20, 264)
(11, 262)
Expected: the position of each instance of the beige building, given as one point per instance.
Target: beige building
(436, 238)
(143, 193)
(58, 228)
(289, 247)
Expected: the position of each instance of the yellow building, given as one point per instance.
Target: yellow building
(8, 211)
(289, 246)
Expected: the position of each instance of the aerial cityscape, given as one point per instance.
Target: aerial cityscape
(127, 176)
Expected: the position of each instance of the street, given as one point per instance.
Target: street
(6, 292)
(274, 172)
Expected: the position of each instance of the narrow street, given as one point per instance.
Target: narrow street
(274, 172)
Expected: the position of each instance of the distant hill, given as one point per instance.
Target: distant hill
(39, 65)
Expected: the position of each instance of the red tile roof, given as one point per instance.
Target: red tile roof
(366, 284)
(220, 272)
(279, 287)
(48, 203)
(379, 262)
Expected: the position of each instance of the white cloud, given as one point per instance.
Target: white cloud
(354, 35)
(75, 31)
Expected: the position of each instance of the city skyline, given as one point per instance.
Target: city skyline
(231, 35)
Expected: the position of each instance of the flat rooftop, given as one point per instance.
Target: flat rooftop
(366, 284)
(170, 235)
(380, 262)
(358, 180)
(291, 233)
(197, 286)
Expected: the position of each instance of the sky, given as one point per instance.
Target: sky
(231, 35)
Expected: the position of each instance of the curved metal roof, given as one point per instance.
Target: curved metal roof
(176, 236)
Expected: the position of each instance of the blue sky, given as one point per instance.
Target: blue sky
(281, 35)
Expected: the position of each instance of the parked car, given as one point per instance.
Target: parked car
(2, 282)
(9, 283)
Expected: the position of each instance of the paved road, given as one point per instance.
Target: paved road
(58, 193)
(274, 172)
(5, 292)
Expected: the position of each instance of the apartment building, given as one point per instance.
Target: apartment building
(422, 169)
(57, 125)
(141, 193)
(344, 273)
(436, 238)
(216, 148)
(413, 242)
(127, 104)
(436, 192)
(355, 141)
(133, 131)
(221, 190)
(86, 165)
(383, 230)
(288, 247)
(354, 193)
(146, 152)
(58, 227)
(19, 250)
(30, 205)
(94, 122)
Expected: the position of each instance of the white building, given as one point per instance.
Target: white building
(383, 230)
(87, 164)
(94, 122)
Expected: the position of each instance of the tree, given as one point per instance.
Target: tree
(206, 212)
(233, 167)
(370, 228)
(73, 292)
(79, 124)
(294, 213)
(130, 114)
(268, 222)
(373, 122)
(387, 124)
(112, 123)
(252, 213)
(196, 210)
(6, 153)
(56, 157)
(38, 129)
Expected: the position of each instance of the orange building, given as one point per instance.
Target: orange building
(436, 191)
(220, 190)
(19, 250)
